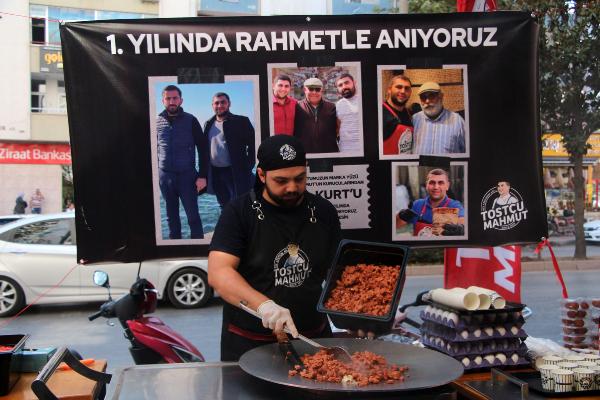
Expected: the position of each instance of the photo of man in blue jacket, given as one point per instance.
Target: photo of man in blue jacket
(231, 140)
(179, 138)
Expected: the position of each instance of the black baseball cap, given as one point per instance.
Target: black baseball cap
(281, 151)
(277, 152)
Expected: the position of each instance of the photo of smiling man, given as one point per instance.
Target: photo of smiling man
(437, 130)
(397, 122)
(429, 206)
(284, 105)
(315, 122)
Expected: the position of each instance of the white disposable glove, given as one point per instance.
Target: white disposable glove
(276, 317)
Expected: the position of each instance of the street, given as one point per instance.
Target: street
(561, 251)
(61, 325)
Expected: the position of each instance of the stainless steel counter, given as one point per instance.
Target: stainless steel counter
(216, 381)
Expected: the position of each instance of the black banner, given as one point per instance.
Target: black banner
(427, 131)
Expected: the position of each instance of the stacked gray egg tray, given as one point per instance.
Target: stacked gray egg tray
(479, 340)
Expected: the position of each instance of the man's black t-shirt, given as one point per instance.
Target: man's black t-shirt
(293, 281)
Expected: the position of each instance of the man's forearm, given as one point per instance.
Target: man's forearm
(232, 287)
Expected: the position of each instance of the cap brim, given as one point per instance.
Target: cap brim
(430, 91)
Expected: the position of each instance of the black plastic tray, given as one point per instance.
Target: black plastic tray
(435, 329)
(535, 383)
(10, 361)
(480, 347)
(485, 320)
(351, 252)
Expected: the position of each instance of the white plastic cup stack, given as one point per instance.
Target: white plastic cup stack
(563, 380)
(575, 358)
(596, 370)
(586, 364)
(546, 376)
(593, 358)
(584, 379)
(568, 365)
(554, 360)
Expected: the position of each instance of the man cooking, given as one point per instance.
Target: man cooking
(271, 249)
(421, 214)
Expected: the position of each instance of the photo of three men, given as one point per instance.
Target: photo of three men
(321, 106)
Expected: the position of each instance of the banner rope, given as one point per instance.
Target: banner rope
(5, 323)
(30, 17)
(538, 249)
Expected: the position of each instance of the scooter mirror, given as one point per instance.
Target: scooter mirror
(101, 279)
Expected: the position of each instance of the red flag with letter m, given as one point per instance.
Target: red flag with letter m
(495, 268)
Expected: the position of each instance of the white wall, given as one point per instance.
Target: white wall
(303, 7)
(14, 71)
(25, 178)
(177, 8)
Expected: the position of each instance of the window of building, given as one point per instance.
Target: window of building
(45, 20)
(38, 30)
(38, 91)
(340, 7)
(62, 96)
(38, 15)
(219, 7)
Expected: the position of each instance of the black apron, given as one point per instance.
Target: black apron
(287, 259)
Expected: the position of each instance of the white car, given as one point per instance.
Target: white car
(591, 231)
(5, 219)
(38, 251)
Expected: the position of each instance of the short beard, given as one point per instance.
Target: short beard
(397, 102)
(433, 111)
(285, 203)
(348, 93)
(173, 113)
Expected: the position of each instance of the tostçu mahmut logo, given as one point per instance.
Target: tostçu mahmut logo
(502, 207)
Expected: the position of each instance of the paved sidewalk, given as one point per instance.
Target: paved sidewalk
(527, 266)
(562, 240)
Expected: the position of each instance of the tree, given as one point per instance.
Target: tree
(436, 6)
(570, 83)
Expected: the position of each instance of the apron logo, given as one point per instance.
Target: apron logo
(502, 209)
(287, 152)
(291, 270)
(405, 142)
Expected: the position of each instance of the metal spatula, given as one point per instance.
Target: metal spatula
(339, 352)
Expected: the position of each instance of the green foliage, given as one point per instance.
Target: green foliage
(426, 256)
(431, 6)
(569, 68)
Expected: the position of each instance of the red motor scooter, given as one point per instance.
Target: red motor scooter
(152, 341)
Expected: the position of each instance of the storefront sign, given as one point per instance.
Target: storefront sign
(51, 59)
(552, 145)
(20, 153)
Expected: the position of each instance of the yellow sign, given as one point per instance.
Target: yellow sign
(552, 145)
(51, 59)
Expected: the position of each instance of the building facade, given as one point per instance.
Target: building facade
(34, 132)
(558, 174)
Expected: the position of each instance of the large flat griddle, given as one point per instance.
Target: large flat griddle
(427, 368)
